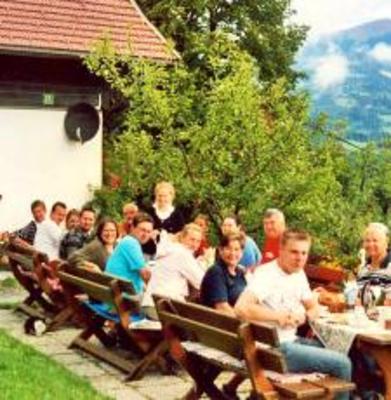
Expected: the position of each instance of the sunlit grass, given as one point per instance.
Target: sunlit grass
(26, 374)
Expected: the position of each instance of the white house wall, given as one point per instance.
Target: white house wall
(38, 161)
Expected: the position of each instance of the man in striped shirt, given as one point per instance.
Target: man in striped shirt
(28, 232)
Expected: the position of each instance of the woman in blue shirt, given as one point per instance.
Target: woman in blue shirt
(224, 282)
(222, 285)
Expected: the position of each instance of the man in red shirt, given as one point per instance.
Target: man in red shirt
(273, 226)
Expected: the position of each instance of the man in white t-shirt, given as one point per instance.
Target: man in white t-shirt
(49, 232)
(279, 294)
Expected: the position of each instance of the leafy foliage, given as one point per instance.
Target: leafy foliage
(232, 137)
(231, 145)
(260, 28)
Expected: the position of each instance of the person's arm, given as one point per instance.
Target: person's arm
(225, 308)
(249, 309)
(192, 272)
(26, 234)
(64, 247)
(214, 292)
(312, 308)
(135, 259)
(20, 242)
(308, 299)
(145, 273)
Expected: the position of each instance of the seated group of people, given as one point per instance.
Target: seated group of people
(161, 255)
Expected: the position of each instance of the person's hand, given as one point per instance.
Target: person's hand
(387, 302)
(298, 318)
(313, 313)
(328, 298)
(323, 295)
(286, 319)
(90, 266)
(145, 273)
(155, 234)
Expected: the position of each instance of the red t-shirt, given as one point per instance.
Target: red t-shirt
(271, 250)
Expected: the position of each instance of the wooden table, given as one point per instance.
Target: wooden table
(375, 341)
(379, 346)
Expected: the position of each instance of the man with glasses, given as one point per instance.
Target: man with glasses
(127, 260)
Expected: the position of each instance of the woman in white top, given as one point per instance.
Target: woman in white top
(176, 268)
(375, 244)
(166, 217)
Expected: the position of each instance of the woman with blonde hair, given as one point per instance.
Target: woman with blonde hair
(176, 269)
(165, 215)
(375, 242)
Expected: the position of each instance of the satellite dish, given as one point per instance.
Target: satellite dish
(81, 122)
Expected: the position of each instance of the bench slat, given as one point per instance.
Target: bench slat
(208, 335)
(265, 334)
(334, 385)
(24, 261)
(98, 277)
(203, 315)
(86, 274)
(301, 390)
(215, 333)
(92, 289)
(271, 359)
(262, 332)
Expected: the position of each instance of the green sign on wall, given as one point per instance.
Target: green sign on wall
(48, 99)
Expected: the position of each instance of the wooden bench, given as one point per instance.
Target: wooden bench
(23, 263)
(71, 304)
(107, 316)
(206, 342)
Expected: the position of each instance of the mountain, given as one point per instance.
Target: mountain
(349, 78)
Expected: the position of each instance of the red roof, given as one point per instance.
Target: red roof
(70, 27)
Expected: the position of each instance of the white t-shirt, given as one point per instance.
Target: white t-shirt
(48, 238)
(175, 268)
(280, 291)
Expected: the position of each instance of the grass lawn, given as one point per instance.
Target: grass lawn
(26, 374)
(6, 305)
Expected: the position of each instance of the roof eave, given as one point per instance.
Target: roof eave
(74, 54)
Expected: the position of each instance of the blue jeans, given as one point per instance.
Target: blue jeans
(308, 355)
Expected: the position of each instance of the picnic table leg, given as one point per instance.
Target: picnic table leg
(204, 376)
(382, 355)
(151, 357)
(60, 319)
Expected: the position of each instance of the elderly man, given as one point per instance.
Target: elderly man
(273, 226)
(129, 211)
(127, 260)
(279, 294)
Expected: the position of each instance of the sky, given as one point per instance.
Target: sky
(326, 16)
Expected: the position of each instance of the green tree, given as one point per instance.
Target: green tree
(260, 27)
(229, 146)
